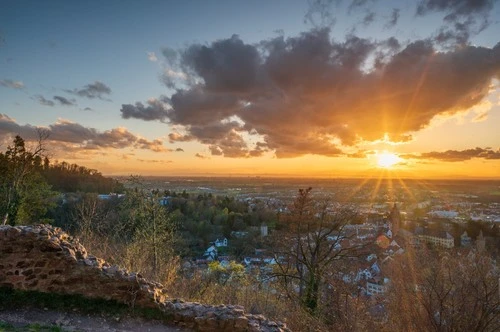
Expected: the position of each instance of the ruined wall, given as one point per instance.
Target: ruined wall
(46, 259)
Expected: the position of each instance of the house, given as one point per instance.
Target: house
(263, 230)
(221, 243)
(164, 200)
(438, 239)
(211, 253)
(376, 286)
(465, 240)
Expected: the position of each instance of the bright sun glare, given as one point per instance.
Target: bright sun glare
(387, 159)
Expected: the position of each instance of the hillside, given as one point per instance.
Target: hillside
(46, 259)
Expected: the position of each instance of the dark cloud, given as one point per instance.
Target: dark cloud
(44, 101)
(198, 155)
(455, 7)
(319, 13)
(226, 65)
(200, 106)
(75, 134)
(312, 95)
(457, 155)
(64, 101)
(154, 110)
(179, 150)
(9, 126)
(358, 4)
(88, 109)
(60, 100)
(96, 90)
(369, 18)
(463, 18)
(170, 55)
(12, 84)
(393, 20)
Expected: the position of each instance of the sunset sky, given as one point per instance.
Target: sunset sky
(285, 87)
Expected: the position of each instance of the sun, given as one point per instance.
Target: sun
(387, 159)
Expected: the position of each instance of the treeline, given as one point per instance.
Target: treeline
(67, 177)
(30, 185)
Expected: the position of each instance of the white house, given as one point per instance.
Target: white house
(210, 253)
(375, 287)
(221, 243)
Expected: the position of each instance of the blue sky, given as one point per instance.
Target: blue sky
(54, 53)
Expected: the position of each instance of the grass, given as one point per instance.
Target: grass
(22, 299)
(5, 327)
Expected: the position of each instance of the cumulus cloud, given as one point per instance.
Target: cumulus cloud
(310, 94)
(176, 137)
(96, 90)
(78, 136)
(153, 110)
(179, 150)
(457, 155)
(12, 84)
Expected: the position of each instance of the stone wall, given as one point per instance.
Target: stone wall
(46, 259)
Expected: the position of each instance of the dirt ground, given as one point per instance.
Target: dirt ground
(74, 321)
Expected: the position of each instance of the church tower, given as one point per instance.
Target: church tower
(395, 220)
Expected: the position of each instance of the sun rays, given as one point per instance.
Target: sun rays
(387, 159)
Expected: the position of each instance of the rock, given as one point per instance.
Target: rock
(46, 259)
(241, 322)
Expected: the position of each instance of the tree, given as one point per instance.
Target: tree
(151, 250)
(437, 291)
(18, 169)
(312, 246)
(36, 198)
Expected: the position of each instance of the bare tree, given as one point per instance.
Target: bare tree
(313, 244)
(433, 291)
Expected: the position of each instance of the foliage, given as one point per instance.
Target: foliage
(74, 178)
(25, 196)
(151, 249)
(225, 273)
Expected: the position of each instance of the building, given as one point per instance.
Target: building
(465, 240)
(210, 254)
(263, 230)
(376, 286)
(440, 239)
(221, 243)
